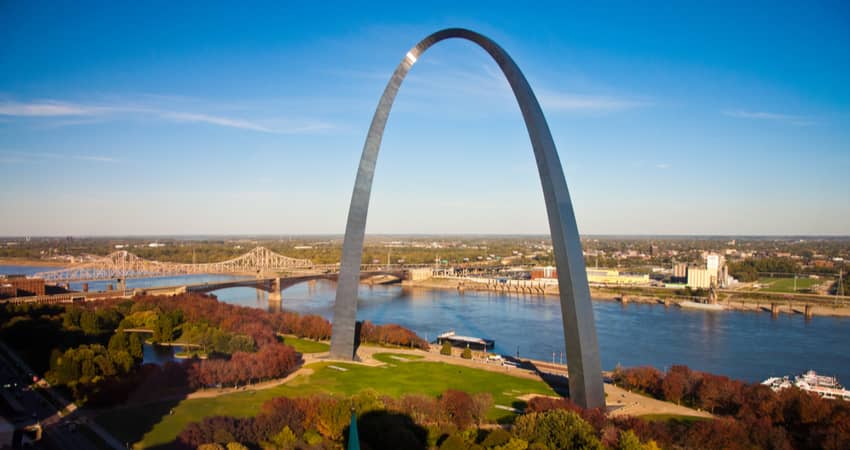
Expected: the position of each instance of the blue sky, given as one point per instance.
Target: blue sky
(208, 118)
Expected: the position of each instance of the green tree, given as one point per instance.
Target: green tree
(118, 342)
(454, 442)
(71, 318)
(495, 438)
(104, 365)
(135, 347)
(89, 322)
(164, 329)
(285, 440)
(123, 361)
(629, 441)
(557, 429)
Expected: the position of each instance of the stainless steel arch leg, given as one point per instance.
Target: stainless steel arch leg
(586, 388)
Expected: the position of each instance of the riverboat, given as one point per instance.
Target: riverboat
(826, 387)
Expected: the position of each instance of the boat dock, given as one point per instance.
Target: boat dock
(473, 343)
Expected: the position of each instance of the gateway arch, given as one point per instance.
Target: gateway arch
(586, 388)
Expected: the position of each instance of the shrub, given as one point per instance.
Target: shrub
(496, 437)
(454, 442)
(467, 353)
(447, 348)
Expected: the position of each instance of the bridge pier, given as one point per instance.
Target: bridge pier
(276, 298)
(774, 309)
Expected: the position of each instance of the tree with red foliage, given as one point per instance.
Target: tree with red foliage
(644, 379)
(457, 408)
(391, 334)
(271, 361)
(278, 413)
(720, 434)
(543, 404)
(674, 386)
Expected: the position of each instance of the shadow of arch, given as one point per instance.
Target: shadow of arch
(576, 308)
(384, 430)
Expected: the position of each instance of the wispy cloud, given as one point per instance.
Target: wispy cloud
(762, 115)
(214, 120)
(79, 114)
(663, 166)
(19, 157)
(105, 159)
(563, 101)
(44, 109)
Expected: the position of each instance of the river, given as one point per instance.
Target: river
(745, 345)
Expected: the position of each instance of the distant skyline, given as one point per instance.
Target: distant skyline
(176, 119)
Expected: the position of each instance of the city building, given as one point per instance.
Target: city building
(20, 286)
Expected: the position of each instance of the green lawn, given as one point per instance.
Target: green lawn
(306, 345)
(153, 425)
(787, 284)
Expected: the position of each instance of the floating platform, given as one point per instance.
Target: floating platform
(474, 343)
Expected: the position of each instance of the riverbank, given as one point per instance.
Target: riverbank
(26, 262)
(730, 300)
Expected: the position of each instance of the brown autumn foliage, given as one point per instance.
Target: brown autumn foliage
(752, 415)
(391, 334)
(271, 361)
(457, 408)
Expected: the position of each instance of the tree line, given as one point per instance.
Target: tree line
(454, 420)
(753, 415)
(78, 346)
(749, 416)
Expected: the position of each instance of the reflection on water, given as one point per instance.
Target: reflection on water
(158, 354)
(746, 345)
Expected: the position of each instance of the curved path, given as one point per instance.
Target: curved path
(586, 385)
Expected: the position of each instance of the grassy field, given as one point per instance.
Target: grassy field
(306, 345)
(155, 425)
(787, 284)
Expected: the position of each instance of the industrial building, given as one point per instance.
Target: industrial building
(714, 273)
(597, 276)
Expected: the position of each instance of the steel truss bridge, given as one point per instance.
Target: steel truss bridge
(124, 265)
